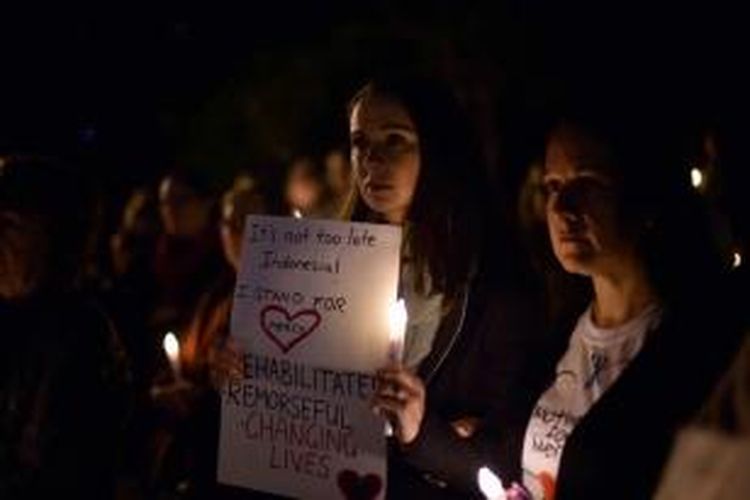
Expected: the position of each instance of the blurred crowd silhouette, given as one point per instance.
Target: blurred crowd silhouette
(599, 206)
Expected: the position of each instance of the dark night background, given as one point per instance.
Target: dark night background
(133, 91)
(128, 94)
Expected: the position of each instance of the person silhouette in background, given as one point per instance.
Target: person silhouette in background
(64, 392)
(187, 446)
(188, 252)
(304, 189)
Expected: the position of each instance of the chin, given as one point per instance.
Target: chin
(379, 205)
(577, 263)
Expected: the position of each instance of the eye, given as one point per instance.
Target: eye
(394, 141)
(593, 185)
(550, 187)
(358, 142)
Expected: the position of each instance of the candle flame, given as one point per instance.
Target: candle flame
(490, 485)
(171, 345)
(736, 260)
(296, 213)
(696, 177)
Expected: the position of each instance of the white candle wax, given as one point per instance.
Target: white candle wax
(398, 331)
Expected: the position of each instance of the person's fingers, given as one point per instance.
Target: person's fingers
(389, 402)
(465, 427)
(228, 351)
(228, 362)
(395, 392)
(222, 372)
(233, 346)
(388, 408)
(391, 369)
(402, 379)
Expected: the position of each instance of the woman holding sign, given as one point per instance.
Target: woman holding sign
(636, 363)
(415, 165)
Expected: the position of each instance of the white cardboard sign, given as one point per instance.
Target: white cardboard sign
(311, 308)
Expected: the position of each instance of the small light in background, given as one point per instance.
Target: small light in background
(171, 345)
(696, 177)
(296, 213)
(490, 485)
(736, 259)
(87, 135)
(172, 348)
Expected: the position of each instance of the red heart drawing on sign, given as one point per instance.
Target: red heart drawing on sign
(275, 320)
(356, 487)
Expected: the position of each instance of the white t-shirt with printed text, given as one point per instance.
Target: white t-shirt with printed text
(594, 360)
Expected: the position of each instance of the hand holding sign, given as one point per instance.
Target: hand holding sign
(312, 309)
(225, 361)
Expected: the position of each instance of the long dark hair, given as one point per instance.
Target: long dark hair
(446, 218)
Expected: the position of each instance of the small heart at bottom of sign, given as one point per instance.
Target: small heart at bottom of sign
(286, 330)
(359, 487)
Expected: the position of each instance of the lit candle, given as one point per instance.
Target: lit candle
(172, 348)
(398, 331)
(398, 319)
(696, 177)
(297, 213)
(736, 260)
(490, 485)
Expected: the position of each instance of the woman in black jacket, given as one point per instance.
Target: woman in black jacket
(415, 165)
(599, 421)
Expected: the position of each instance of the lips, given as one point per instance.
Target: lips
(572, 238)
(373, 187)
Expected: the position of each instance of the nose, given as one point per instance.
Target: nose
(567, 201)
(371, 160)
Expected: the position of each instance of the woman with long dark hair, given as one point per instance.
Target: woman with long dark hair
(415, 164)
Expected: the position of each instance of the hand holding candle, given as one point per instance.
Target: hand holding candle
(398, 318)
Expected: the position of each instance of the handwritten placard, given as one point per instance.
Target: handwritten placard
(311, 308)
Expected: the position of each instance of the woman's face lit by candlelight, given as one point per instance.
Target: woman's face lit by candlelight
(183, 212)
(385, 156)
(583, 213)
